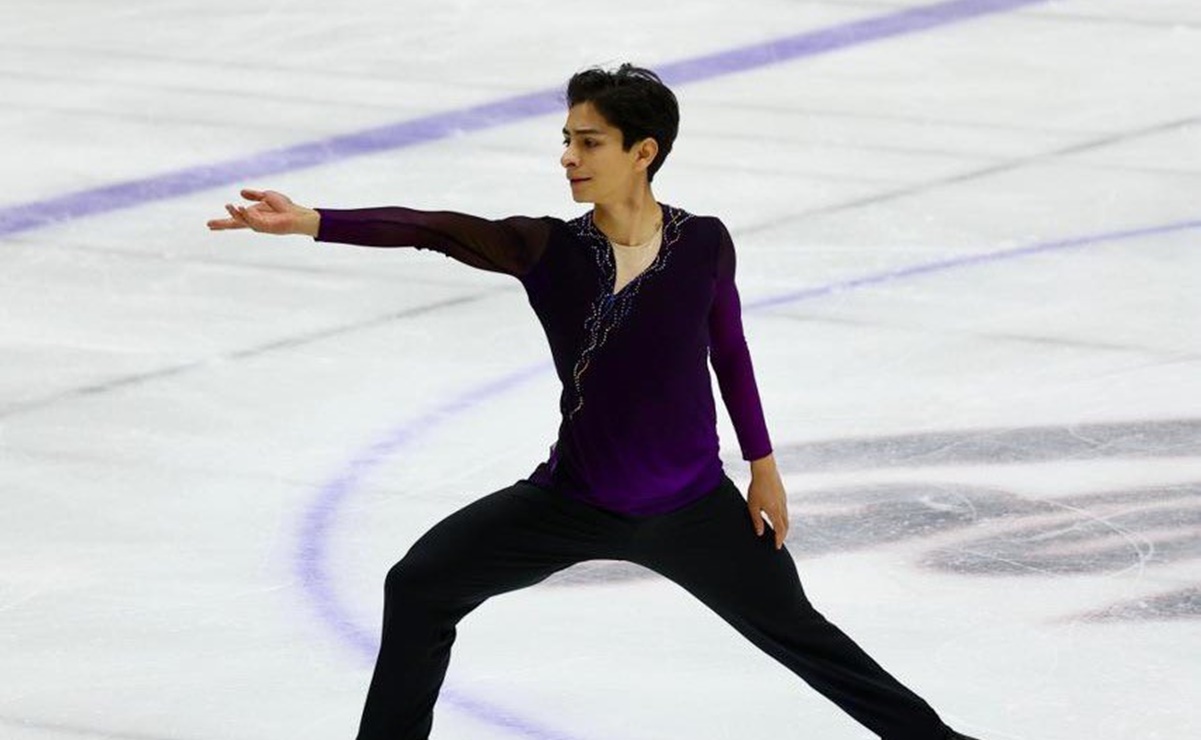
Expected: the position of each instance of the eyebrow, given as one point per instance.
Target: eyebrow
(583, 131)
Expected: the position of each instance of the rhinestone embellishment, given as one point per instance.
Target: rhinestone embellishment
(609, 310)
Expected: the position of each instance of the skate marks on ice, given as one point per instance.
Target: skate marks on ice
(1140, 439)
(990, 532)
(1183, 604)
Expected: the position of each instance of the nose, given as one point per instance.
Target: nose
(569, 158)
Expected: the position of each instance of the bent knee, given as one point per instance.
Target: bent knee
(413, 577)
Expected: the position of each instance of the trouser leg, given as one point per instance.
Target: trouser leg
(711, 550)
(507, 540)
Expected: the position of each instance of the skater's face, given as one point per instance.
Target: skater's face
(598, 168)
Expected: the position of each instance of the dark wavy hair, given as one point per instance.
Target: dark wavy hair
(634, 100)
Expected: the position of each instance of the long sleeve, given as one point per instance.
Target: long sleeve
(731, 359)
(512, 245)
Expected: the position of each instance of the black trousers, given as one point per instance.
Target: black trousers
(520, 535)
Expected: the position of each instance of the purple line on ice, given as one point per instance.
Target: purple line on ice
(22, 217)
(311, 557)
(812, 43)
(314, 534)
(969, 261)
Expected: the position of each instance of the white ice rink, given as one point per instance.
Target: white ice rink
(970, 262)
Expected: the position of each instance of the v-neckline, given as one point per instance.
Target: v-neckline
(612, 295)
(613, 251)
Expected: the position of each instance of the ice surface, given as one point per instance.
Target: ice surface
(213, 446)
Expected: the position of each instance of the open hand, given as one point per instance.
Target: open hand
(272, 213)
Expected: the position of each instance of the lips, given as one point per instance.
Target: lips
(578, 180)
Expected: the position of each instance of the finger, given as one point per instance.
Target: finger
(775, 526)
(249, 194)
(247, 217)
(227, 223)
(756, 521)
(277, 201)
(238, 214)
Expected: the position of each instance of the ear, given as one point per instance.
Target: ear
(645, 153)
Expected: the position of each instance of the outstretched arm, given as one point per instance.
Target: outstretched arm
(511, 245)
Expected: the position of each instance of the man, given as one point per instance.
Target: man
(635, 297)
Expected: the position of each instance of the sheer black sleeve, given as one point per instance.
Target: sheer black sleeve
(510, 245)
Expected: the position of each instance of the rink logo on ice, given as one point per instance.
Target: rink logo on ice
(990, 532)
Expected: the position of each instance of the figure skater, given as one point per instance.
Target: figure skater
(636, 297)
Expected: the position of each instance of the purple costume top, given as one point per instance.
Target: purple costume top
(638, 433)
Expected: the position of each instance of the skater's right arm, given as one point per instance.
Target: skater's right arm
(511, 245)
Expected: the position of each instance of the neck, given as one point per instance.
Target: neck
(632, 220)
